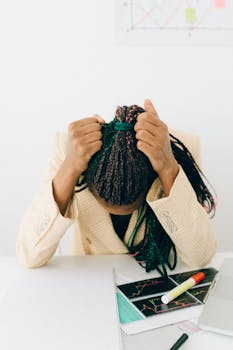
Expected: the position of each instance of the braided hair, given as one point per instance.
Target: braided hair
(120, 174)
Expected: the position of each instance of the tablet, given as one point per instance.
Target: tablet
(217, 314)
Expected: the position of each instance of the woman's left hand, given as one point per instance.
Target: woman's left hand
(154, 141)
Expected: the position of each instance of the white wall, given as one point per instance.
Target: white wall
(58, 62)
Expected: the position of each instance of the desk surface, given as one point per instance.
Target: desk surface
(127, 270)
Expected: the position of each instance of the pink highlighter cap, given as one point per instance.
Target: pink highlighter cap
(198, 277)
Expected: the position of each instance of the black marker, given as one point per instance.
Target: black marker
(179, 342)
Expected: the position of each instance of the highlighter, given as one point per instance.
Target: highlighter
(181, 288)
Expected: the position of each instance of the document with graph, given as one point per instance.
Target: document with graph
(141, 300)
(177, 22)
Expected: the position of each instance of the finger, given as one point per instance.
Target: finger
(100, 120)
(94, 147)
(149, 107)
(87, 129)
(146, 137)
(145, 148)
(147, 121)
(85, 121)
(92, 137)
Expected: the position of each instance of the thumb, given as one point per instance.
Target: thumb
(149, 107)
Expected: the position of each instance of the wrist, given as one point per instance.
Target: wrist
(170, 170)
(71, 172)
(168, 175)
(63, 185)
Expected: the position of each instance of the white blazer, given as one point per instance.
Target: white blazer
(181, 215)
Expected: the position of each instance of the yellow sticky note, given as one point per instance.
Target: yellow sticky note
(190, 14)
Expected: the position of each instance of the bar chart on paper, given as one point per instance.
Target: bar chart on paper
(176, 22)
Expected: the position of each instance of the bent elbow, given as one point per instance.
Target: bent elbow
(201, 259)
(31, 259)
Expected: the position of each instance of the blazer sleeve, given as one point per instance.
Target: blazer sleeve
(43, 225)
(183, 217)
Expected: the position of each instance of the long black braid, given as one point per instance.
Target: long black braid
(120, 173)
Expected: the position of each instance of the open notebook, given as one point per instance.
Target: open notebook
(141, 301)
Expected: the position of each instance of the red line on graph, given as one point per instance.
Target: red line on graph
(148, 13)
(172, 15)
(205, 14)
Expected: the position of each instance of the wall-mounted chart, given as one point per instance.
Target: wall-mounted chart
(174, 22)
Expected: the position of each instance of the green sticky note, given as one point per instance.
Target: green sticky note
(190, 14)
(127, 312)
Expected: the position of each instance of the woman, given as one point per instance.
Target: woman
(127, 187)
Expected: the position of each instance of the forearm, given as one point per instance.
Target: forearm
(196, 243)
(63, 186)
(168, 176)
(43, 226)
(185, 221)
(41, 229)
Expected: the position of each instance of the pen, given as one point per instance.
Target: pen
(180, 289)
(179, 342)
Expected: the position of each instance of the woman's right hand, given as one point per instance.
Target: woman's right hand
(84, 140)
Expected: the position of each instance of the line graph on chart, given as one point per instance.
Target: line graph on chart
(176, 21)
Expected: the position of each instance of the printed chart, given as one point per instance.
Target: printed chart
(142, 299)
(176, 22)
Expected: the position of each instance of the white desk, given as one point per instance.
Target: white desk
(128, 270)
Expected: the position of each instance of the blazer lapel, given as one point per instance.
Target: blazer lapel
(98, 222)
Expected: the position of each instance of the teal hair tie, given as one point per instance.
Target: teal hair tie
(121, 126)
